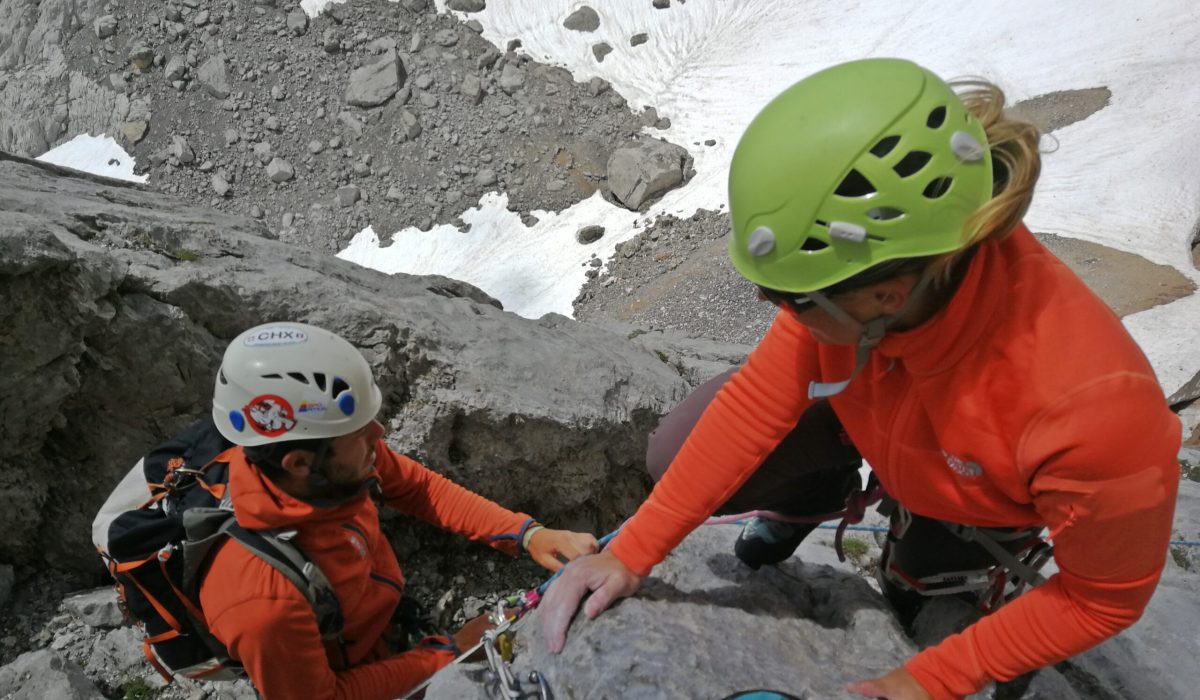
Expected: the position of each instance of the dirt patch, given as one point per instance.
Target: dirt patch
(1054, 110)
(1126, 282)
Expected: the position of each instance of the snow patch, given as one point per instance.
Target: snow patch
(98, 155)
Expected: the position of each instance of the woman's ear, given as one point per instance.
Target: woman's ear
(891, 295)
(297, 463)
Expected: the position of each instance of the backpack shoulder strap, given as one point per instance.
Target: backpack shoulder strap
(208, 527)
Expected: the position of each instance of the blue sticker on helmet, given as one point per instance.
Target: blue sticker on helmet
(239, 423)
(346, 403)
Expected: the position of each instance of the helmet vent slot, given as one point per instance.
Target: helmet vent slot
(812, 245)
(271, 376)
(938, 187)
(221, 376)
(319, 378)
(912, 163)
(339, 385)
(936, 118)
(855, 184)
(885, 213)
(298, 377)
(885, 146)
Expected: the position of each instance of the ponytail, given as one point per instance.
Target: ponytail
(1016, 164)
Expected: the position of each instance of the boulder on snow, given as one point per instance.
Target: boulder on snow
(584, 19)
(644, 172)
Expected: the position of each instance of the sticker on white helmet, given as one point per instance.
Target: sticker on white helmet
(314, 407)
(270, 415)
(276, 335)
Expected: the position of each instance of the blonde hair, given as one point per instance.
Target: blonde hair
(1016, 160)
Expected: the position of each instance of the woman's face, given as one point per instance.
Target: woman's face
(863, 305)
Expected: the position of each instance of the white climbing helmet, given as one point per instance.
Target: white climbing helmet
(292, 381)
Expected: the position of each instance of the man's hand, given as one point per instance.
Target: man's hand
(897, 685)
(550, 547)
(602, 573)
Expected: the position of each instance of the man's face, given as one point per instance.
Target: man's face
(351, 458)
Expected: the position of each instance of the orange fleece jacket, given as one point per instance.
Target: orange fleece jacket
(269, 627)
(1025, 373)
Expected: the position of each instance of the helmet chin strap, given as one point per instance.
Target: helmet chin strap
(870, 334)
(317, 478)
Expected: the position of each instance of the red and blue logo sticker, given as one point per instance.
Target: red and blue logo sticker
(270, 415)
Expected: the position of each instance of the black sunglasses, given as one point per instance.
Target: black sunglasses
(798, 303)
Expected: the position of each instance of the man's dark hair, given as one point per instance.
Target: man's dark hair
(268, 458)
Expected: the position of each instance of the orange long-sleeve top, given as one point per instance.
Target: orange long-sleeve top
(267, 625)
(1022, 403)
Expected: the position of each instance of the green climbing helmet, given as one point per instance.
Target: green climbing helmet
(860, 163)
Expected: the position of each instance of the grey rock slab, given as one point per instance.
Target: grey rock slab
(279, 170)
(7, 579)
(472, 87)
(639, 39)
(262, 151)
(96, 608)
(641, 173)
(584, 19)
(466, 5)
(347, 196)
(105, 26)
(661, 4)
(703, 625)
(485, 177)
(219, 185)
(176, 68)
(377, 82)
(512, 78)
(117, 652)
(93, 272)
(38, 675)
(213, 77)
(297, 22)
(181, 151)
(601, 50)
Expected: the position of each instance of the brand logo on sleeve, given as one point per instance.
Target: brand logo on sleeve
(961, 466)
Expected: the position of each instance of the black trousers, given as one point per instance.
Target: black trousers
(811, 472)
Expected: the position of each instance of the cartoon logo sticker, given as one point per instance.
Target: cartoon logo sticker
(276, 335)
(270, 415)
(307, 406)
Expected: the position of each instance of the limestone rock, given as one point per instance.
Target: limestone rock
(92, 274)
(181, 150)
(176, 68)
(376, 82)
(96, 608)
(37, 675)
(297, 22)
(601, 50)
(644, 172)
(512, 78)
(347, 196)
(584, 19)
(279, 170)
(105, 26)
(213, 77)
(803, 628)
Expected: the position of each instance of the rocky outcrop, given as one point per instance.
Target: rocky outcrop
(119, 304)
(45, 674)
(706, 626)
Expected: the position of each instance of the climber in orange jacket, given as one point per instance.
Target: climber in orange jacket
(922, 327)
(300, 403)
